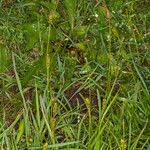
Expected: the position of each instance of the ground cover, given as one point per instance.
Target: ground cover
(74, 74)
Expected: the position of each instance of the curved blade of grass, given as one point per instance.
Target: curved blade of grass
(19, 83)
(11, 126)
(20, 131)
(133, 147)
(43, 109)
(141, 78)
(58, 145)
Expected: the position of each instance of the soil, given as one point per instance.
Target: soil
(75, 96)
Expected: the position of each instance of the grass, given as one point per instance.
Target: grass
(74, 74)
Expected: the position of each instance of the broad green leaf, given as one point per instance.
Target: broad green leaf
(4, 59)
(71, 9)
(48, 5)
(70, 64)
(31, 34)
(101, 14)
(33, 70)
(79, 31)
(33, 31)
(81, 46)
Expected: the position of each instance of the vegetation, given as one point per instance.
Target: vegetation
(74, 74)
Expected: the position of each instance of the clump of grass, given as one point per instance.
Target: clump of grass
(76, 75)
